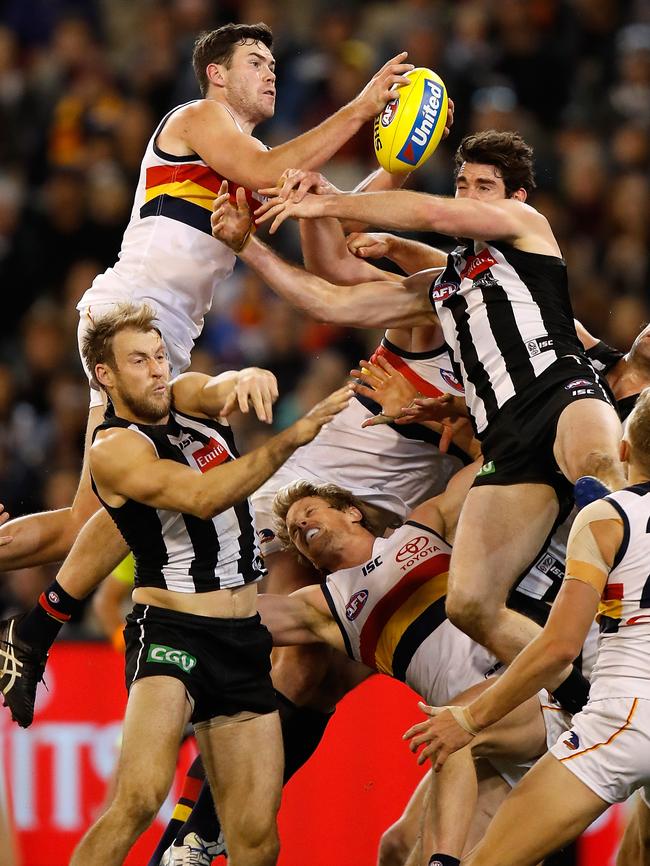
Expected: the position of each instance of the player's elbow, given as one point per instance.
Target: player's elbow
(563, 651)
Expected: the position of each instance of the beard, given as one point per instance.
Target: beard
(149, 409)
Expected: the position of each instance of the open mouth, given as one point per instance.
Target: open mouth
(311, 533)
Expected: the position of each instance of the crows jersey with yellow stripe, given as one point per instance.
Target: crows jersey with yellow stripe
(168, 255)
(391, 612)
(622, 667)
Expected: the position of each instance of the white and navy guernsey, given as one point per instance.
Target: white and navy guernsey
(507, 317)
(168, 255)
(432, 374)
(181, 552)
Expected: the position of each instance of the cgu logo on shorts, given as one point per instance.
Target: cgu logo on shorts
(425, 124)
(488, 468)
(168, 656)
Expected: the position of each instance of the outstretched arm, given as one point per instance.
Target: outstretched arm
(218, 396)
(125, 466)
(411, 256)
(208, 129)
(299, 618)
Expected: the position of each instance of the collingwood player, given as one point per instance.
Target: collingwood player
(168, 257)
(169, 476)
(543, 417)
(605, 756)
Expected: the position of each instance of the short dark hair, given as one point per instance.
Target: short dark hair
(217, 46)
(506, 151)
(97, 341)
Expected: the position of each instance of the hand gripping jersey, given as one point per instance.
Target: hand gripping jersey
(391, 612)
(507, 317)
(168, 256)
(181, 552)
(623, 665)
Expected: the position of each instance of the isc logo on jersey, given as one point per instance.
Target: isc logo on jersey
(410, 127)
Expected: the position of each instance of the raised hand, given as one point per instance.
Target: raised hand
(381, 382)
(231, 224)
(307, 427)
(295, 183)
(379, 91)
(254, 387)
(279, 209)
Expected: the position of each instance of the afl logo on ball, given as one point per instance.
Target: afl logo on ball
(388, 114)
(411, 548)
(354, 607)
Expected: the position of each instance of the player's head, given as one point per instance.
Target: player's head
(639, 354)
(493, 165)
(316, 521)
(125, 352)
(635, 447)
(235, 62)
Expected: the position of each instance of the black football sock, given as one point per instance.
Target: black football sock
(444, 860)
(573, 693)
(186, 802)
(40, 627)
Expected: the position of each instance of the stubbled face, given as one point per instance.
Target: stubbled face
(139, 380)
(319, 531)
(639, 354)
(250, 81)
(480, 182)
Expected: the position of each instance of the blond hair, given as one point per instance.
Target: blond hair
(97, 342)
(637, 431)
(335, 496)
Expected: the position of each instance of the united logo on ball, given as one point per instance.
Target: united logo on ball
(409, 129)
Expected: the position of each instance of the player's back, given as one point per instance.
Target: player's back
(168, 255)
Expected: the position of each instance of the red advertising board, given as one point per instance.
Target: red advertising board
(336, 808)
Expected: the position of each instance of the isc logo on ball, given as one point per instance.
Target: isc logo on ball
(410, 127)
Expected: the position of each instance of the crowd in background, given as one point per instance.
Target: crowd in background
(83, 84)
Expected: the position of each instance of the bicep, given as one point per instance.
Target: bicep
(385, 304)
(290, 619)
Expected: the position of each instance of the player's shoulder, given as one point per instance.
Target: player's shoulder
(114, 445)
(203, 111)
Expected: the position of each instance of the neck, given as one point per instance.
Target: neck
(247, 125)
(628, 378)
(352, 552)
(637, 475)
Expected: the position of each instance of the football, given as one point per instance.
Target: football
(410, 127)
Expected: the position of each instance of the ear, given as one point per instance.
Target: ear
(520, 194)
(354, 512)
(104, 375)
(215, 73)
(624, 451)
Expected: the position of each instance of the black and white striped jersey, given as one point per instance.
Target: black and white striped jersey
(507, 317)
(181, 552)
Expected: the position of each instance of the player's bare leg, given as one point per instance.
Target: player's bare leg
(49, 535)
(586, 443)
(562, 805)
(635, 845)
(244, 761)
(405, 835)
(156, 713)
(500, 530)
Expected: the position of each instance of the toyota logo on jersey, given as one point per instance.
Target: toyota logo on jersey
(411, 548)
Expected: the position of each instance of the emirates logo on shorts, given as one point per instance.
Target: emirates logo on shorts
(411, 548)
(53, 597)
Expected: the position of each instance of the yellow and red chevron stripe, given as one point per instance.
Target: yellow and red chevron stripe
(418, 596)
(185, 192)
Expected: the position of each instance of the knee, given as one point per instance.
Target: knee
(597, 462)
(137, 808)
(471, 615)
(394, 846)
